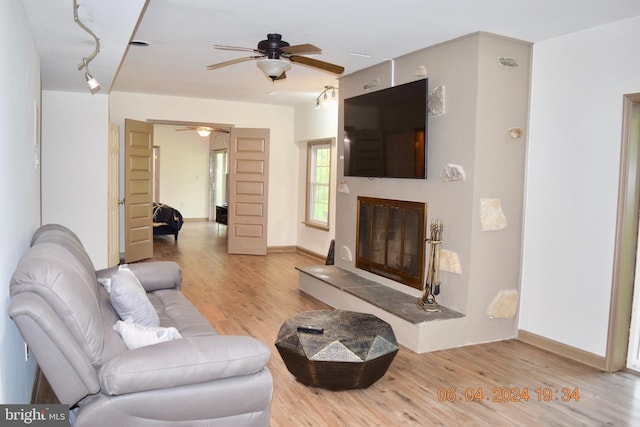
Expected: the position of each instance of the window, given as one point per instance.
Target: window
(220, 176)
(318, 180)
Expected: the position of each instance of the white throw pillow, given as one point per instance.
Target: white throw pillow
(106, 283)
(135, 335)
(130, 300)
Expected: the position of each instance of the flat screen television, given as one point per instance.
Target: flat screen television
(385, 132)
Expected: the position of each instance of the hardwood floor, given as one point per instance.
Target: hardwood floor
(480, 385)
(475, 385)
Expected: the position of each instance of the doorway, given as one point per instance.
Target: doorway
(218, 181)
(243, 187)
(633, 352)
(623, 342)
(184, 168)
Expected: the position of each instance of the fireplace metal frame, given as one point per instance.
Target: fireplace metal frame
(414, 279)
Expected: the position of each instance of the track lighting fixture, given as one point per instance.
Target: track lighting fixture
(325, 97)
(93, 84)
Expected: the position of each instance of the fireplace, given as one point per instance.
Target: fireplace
(390, 239)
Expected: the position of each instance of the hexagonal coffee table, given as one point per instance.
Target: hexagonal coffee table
(354, 350)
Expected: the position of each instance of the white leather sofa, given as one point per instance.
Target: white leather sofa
(66, 317)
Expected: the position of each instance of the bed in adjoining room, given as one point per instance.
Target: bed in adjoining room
(166, 220)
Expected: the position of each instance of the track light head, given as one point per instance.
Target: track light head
(93, 84)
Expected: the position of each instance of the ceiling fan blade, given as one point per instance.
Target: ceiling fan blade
(244, 49)
(316, 63)
(300, 49)
(231, 62)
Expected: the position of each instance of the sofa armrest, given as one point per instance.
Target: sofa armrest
(184, 361)
(152, 275)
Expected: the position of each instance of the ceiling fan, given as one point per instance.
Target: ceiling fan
(270, 55)
(204, 131)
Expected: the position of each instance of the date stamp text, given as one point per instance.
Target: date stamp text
(508, 394)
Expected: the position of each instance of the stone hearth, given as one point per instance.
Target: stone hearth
(344, 289)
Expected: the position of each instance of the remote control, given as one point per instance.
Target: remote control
(310, 329)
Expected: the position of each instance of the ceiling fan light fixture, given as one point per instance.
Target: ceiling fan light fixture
(273, 68)
(203, 132)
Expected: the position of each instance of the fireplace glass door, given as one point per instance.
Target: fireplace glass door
(390, 239)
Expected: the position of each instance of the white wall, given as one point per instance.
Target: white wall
(75, 132)
(572, 178)
(283, 155)
(312, 125)
(184, 170)
(19, 183)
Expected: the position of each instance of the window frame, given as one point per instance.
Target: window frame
(312, 147)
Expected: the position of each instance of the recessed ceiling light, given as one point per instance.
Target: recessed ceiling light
(138, 43)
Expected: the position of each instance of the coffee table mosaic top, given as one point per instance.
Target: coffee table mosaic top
(352, 351)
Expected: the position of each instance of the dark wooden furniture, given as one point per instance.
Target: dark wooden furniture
(354, 350)
(221, 214)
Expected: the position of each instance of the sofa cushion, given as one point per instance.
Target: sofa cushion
(180, 362)
(57, 276)
(60, 235)
(129, 299)
(174, 309)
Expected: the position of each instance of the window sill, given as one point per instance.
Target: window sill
(316, 225)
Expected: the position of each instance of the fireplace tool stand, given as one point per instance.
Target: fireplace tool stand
(432, 283)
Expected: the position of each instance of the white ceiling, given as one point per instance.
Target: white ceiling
(181, 35)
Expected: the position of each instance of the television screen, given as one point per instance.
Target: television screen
(385, 132)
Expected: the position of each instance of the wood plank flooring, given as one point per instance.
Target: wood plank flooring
(469, 386)
(480, 385)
